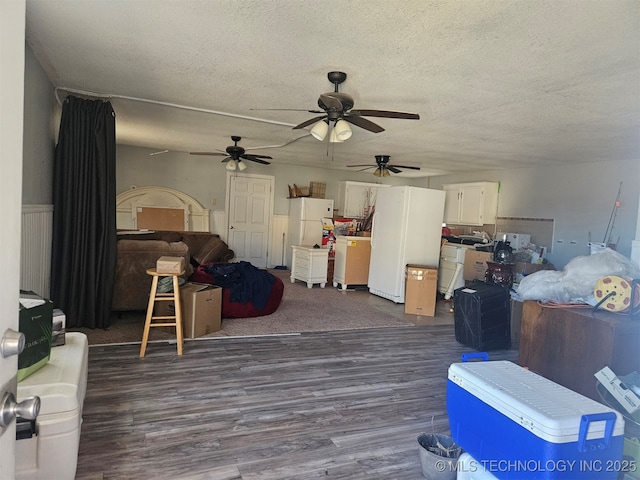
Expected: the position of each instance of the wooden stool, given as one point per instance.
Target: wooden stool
(154, 297)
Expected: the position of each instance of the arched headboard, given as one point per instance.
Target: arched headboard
(151, 202)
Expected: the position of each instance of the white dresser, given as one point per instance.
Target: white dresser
(309, 265)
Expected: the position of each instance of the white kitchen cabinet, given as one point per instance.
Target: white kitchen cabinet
(309, 265)
(355, 197)
(471, 203)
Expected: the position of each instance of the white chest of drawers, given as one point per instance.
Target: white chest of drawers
(309, 265)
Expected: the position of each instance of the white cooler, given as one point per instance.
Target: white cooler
(51, 450)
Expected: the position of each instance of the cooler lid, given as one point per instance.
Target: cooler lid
(550, 411)
(61, 384)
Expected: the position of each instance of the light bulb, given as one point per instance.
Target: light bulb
(342, 129)
(319, 130)
(241, 165)
(378, 172)
(333, 136)
(231, 165)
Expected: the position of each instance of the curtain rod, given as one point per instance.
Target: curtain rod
(167, 104)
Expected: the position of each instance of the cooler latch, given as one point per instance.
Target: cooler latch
(25, 429)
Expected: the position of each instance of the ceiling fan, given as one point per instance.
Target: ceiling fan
(337, 108)
(382, 166)
(236, 154)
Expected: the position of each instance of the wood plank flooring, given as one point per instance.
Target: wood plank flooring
(336, 405)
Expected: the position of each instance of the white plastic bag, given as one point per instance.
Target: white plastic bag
(575, 283)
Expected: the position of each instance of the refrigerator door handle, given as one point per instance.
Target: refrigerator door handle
(373, 228)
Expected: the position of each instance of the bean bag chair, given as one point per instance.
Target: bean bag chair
(247, 291)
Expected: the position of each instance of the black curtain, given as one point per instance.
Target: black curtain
(84, 213)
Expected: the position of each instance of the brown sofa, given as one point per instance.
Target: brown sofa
(138, 252)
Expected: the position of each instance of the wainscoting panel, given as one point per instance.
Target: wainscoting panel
(35, 251)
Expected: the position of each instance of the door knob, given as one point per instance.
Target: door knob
(12, 343)
(231, 227)
(10, 409)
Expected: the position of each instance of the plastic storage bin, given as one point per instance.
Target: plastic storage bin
(482, 318)
(48, 448)
(523, 426)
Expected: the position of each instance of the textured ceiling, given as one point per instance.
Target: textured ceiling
(497, 84)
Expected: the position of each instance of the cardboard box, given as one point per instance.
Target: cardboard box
(420, 290)
(475, 264)
(170, 265)
(35, 322)
(524, 269)
(201, 309)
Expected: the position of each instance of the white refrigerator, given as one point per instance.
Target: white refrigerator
(305, 221)
(407, 228)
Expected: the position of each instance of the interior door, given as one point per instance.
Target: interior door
(249, 207)
(12, 21)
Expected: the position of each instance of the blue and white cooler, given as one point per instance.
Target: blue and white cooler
(519, 425)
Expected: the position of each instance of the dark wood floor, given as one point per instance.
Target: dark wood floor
(346, 404)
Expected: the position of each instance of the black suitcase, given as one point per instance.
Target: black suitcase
(482, 316)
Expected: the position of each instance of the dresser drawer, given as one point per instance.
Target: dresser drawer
(301, 263)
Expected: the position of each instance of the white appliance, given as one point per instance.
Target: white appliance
(450, 268)
(517, 241)
(407, 228)
(305, 221)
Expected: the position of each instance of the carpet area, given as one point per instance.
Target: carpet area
(302, 310)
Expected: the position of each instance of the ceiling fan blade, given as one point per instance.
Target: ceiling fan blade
(364, 123)
(217, 154)
(309, 122)
(331, 102)
(251, 158)
(226, 159)
(253, 155)
(393, 169)
(286, 110)
(407, 166)
(248, 156)
(386, 114)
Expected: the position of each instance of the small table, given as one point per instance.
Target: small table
(309, 264)
(154, 297)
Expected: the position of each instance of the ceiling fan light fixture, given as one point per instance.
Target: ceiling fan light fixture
(385, 173)
(343, 130)
(319, 130)
(378, 172)
(241, 165)
(231, 165)
(333, 136)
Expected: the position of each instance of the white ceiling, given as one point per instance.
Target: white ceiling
(497, 84)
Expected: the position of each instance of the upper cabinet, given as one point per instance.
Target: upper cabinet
(471, 203)
(355, 199)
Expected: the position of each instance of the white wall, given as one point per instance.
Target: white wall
(204, 177)
(38, 144)
(580, 199)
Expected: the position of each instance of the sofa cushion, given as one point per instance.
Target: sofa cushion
(215, 250)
